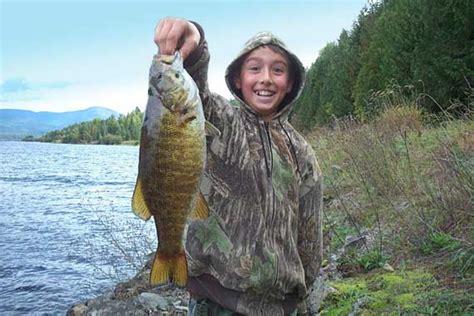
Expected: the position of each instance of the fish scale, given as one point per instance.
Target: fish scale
(177, 174)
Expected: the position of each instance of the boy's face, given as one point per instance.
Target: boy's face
(264, 80)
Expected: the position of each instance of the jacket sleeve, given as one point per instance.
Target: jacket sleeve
(197, 65)
(216, 107)
(310, 217)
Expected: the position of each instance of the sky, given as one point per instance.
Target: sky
(69, 55)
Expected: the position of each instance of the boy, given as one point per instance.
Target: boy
(260, 249)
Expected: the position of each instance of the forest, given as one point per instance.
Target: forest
(425, 47)
(111, 131)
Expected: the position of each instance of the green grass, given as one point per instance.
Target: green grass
(411, 292)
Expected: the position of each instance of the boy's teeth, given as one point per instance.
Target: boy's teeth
(264, 93)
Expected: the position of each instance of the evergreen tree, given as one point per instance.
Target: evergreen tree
(414, 43)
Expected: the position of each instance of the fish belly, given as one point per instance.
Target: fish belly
(174, 180)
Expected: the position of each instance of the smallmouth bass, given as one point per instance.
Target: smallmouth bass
(171, 164)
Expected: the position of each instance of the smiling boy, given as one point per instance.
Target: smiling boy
(261, 247)
(264, 80)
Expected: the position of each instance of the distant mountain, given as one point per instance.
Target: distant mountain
(16, 124)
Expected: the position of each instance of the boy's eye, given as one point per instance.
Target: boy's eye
(254, 68)
(279, 70)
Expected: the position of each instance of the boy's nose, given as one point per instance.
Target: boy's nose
(266, 77)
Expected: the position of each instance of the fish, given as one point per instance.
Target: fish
(171, 164)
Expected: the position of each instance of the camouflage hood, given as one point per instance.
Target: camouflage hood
(297, 71)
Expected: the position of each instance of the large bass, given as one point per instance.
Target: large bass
(171, 164)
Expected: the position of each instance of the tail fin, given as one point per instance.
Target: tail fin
(167, 268)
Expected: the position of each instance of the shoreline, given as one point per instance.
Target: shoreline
(123, 143)
(135, 297)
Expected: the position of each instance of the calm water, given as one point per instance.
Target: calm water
(66, 227)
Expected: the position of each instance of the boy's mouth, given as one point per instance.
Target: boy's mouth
(264, 93)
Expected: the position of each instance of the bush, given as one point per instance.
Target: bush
(372, 260)
(110, 139)
(403, 180)
(437, 242)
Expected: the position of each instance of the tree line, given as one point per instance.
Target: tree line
(113, 130)
(420, 45)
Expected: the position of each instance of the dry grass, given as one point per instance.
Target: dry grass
(404, 181)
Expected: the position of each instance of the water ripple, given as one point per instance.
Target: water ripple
(59, 203)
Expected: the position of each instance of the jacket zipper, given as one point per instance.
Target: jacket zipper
(269, 139)
(272, 192)
(267, 149)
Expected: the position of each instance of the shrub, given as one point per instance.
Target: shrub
(372, 260)
(401, 179)
(110, 139)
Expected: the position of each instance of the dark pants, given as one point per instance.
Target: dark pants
(205, 307)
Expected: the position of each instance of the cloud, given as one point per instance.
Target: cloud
(20, 89)
(55, 85)
(14, 85)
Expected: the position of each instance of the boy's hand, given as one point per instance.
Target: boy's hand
(172, 34)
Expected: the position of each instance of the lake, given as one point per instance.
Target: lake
(67, 232)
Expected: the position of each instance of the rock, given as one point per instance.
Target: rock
(361, 302)
(330, 290)
(316, 295)
(153, 301)
(135, 297)
(388, 267)
(363, 241)
(116, 307)
(77, 310)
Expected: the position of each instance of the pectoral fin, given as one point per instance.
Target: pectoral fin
(186, 118)
(201, 211)
(138, 202)
(211, 130)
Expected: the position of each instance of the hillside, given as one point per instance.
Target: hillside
(398, 213)
(16, 124)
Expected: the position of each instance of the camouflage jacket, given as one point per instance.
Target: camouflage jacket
(263, 237)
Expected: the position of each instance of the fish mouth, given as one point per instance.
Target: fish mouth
(169, 59)
(166, 59)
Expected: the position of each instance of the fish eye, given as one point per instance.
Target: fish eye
(176, 75)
